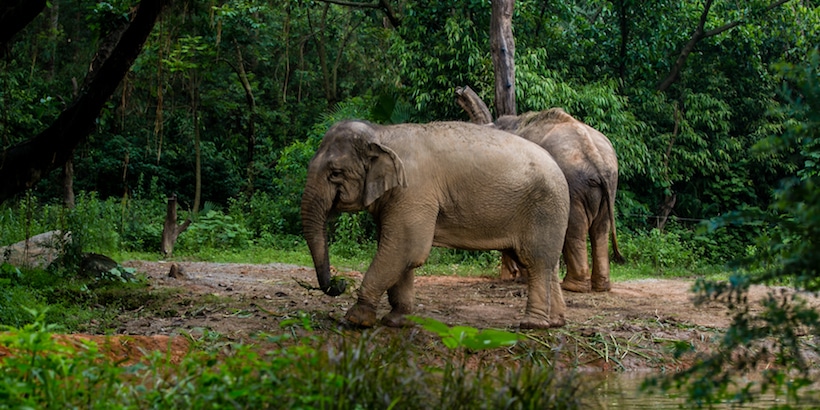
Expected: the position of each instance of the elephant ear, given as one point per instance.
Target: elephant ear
(386, 172)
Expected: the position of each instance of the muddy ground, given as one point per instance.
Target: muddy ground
(633, 327)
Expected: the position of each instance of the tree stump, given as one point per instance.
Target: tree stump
(171, 231)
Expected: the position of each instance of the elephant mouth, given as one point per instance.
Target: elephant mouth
(340, 205)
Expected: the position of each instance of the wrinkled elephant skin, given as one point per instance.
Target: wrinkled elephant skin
(439, 184)
(590, 165)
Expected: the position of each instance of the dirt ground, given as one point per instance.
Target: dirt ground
(630, 328)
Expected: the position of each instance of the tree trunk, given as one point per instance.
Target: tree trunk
(503, 52)
(170, 230)
(666, 208)
(14, 16)
(330, 92)
(197, 140)
(24, 164)
(68, 183)
(251, 133)
(476, 109)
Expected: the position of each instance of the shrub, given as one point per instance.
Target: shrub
(214, 230)
(349, 372)
(660, 250)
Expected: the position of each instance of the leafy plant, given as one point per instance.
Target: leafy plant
(457, 337)
(214, 230)
(660, 250)
(772, 338)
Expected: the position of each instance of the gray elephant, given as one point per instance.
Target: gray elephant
(447, 184)
(591, 167)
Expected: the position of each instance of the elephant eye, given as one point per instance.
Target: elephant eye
(336, 173)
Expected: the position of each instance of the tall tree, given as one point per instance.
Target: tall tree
(24, 164)
(16, 15)
(502, 44)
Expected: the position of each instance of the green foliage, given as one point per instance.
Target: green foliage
(293, 372)
(461, 262)
(353, 235)
(44, 373)
(75, 301)
(438, 47)
(391, 110)
(213, 230)
(660, 250)
(458, 337)
(773, 336)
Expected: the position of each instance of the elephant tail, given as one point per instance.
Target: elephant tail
(609, 193)
(617, 257)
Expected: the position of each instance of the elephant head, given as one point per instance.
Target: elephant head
(350, 172)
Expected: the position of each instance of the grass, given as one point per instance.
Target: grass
(303, 368)
(283, 371)
(441, 261)
(447, 262)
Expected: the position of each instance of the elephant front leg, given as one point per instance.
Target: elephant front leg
(379, 277)
(401, 297)
(392, 271)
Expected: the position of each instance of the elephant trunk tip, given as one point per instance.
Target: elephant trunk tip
(337, 286)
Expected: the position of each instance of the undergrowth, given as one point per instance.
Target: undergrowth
(285, 371)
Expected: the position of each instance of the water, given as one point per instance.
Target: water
(622, 391)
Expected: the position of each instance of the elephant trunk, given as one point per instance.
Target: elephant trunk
(315, 211)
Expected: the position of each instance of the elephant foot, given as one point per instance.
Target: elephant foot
(535, 323)
(572, 285)
(395, 319)
(601, 286)
(361, 315)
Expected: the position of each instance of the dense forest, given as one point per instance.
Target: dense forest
(109, 108)
(228, 99)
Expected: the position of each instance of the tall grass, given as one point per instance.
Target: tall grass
(354, 371)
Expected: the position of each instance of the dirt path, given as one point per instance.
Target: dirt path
(240, 300)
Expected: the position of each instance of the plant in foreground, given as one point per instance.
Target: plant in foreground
(356, 370)
(776, 339)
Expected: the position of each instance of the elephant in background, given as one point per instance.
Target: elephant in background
(590, 165)
(448, 184)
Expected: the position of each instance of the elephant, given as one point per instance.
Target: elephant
(590, 165)
(445, 184)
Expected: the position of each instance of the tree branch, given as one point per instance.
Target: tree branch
(734, 24)
(687, 49)
(24, 164)
(382, 5)
(473, 105)
(16, 15)
(700, 34)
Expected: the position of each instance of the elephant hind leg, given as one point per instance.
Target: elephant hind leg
(511, 268)
(545, 301)
(599, 237)
(575, 252)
